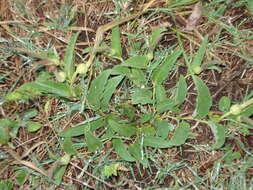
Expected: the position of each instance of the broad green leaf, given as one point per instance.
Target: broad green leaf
(156, 142)
(80, 128)
(96, 89)
(33, 126)
(181, 134)
(92, 141)
(200, 54)
(21, 177)
(111, 170)
(142, 96)
(68, 146)
(224, 104)
(163, 128)
(121, 150)
(122, 129)
(181, 91)
(69, 56)
(109, 90)
(116, 42)
(136, 151)
(161, 71)
(165, 105)
(58, 174)
(204, 99)
(219, 134)
(160, 93)
(139, 62)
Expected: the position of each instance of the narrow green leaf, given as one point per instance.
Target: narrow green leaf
(92, 141)
(121, 70)
(68, 146)
(80, 128)
(121, 150)
(58, 174)
(33, 126)
(69, 56)
(24, 92)
(200, 54)
(181, 91)
(156, 142)
(30, 114)
(5, 128)
(163, 128)
(6, 185)
(138, 77)
(122, 129)
(179, 138)
(33, 89)
(127, 110)
(165, 105)
(96, 89)
(109, 90)
(142, 96)
(219, 134)
(139, 62)
(250, 6)
(155, 35)
(204, 99)
(181, 134)
(161, 72)
(116, 42)
(137, 152)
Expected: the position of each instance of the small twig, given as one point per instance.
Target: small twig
(81, 182)
(95, 177)
(26, 163)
